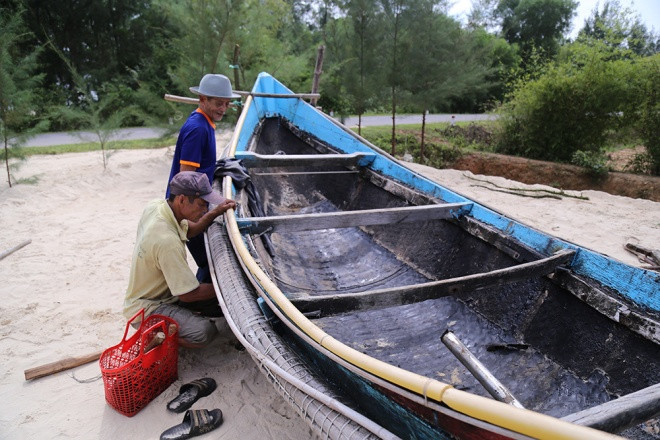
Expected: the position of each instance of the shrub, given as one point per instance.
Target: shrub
(640, 164)
(648, 113)
(572, 106)
(594, 162)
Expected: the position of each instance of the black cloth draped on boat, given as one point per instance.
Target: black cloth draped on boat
(241, 178)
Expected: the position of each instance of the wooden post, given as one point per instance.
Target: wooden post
(235, 67)
(317, 73)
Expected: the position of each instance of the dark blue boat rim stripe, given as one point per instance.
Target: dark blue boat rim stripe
(638, 285)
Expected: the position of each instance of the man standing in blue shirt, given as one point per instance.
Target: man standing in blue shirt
(196, 149)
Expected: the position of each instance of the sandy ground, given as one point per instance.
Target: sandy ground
(603, 222)
(63, 296)
(62, 293)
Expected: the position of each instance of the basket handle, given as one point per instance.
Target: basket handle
(150, 330)
(130, 321)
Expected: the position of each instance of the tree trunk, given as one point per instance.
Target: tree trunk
(318, 69)
(235, 67)
(7, 163)
(4, 132)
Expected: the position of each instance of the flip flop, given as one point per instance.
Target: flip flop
(195, 422)
(189, 393)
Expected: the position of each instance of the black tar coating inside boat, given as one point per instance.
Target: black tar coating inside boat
(568, 358)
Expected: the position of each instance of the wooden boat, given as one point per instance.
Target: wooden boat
(412, 311)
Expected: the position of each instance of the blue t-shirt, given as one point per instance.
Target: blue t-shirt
(195, 146)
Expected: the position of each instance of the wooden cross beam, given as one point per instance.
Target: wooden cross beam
(253, 160)
(381, 298)
(622, 413)
(349, 219)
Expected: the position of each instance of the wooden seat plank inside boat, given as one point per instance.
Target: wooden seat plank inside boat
(622, 413)
(348, 219)
(253, 160)
(345, 302)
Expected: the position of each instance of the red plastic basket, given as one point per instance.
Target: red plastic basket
(133, 378)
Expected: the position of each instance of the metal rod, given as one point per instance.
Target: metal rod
(479, 370)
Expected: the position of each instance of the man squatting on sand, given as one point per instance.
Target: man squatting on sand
(164, 284)
(161, 281)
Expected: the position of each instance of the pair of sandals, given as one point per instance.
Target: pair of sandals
(195, 421)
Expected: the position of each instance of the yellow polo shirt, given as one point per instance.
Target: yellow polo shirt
(159, 270)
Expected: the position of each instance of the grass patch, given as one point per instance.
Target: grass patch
(444, 142)
(32, 180)
(137, 144)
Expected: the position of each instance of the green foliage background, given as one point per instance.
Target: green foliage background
(99, 62)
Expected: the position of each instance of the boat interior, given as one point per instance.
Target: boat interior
(401, 276)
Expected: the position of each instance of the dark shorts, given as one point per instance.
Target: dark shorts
(197, 250)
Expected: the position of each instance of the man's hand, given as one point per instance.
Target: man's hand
(223, 206)
(196, 228)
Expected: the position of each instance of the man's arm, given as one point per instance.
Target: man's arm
(202, 292)
(183, 167)
(195, 228)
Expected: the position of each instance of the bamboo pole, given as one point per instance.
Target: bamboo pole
(195, 101)
(181, 99)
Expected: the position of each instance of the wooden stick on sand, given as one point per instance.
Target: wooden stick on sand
(61, 365)
(76, 361)
(14, 249)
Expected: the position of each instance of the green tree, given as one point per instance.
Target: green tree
(273, 39)
(362, 74)
(643, 107)
(568, 111)
(502, 63)
(535, 24)
(443, 62)
(204, 37)
(105, 40)
(96, 109)
(18, 86)
(394, 25)
(618, 28)
(482, 16)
